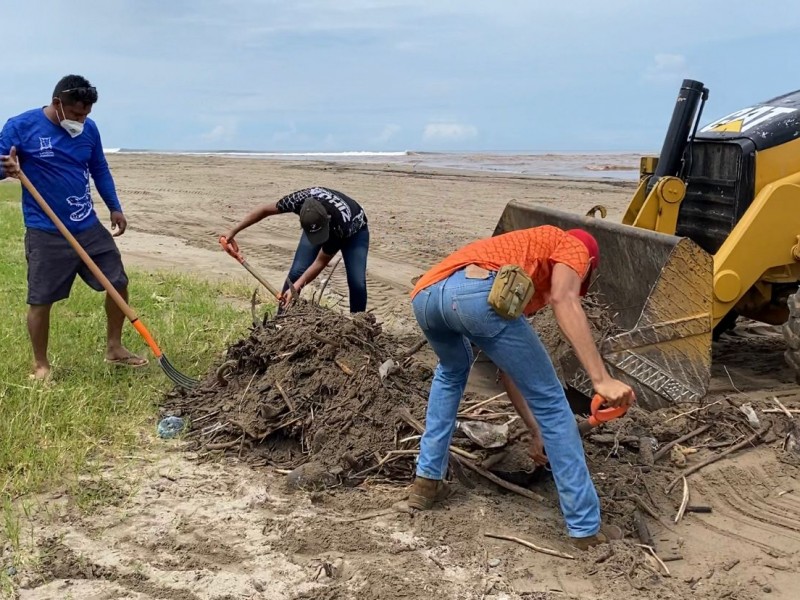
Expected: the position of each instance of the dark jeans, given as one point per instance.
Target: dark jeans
(354, 253)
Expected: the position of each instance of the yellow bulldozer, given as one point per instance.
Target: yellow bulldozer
(711, 233)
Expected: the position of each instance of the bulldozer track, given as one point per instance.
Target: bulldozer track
(733, 494)
(408, 256)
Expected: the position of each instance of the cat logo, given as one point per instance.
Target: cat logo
(747, 118)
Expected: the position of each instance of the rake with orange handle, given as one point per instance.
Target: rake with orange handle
(232, 248)
(176, 376)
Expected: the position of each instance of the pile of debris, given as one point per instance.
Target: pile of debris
(332, 397)
(335, 400)
(310, 385)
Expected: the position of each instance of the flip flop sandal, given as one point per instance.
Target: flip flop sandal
(132, 362)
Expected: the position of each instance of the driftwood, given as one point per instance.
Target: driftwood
(684, 501)
(525, 492)
(748, 442)
(530, 545)
(667, 447)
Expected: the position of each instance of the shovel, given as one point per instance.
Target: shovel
(176, 376)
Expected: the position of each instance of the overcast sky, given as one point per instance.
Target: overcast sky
(437, 75)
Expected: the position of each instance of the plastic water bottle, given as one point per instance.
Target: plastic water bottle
(170, 427)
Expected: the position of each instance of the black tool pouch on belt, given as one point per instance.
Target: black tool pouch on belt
(511, 291)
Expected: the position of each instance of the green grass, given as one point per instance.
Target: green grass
(51, 433)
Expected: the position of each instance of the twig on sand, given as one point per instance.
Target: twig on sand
(390, 456)
(733, 385)
(652, 551)
(327, 279)
(474, 407)
(694, 410)
(463, 453)
(644, 506)
(784, 410)
(414, 349)
(502, 482)
(370, 515)
(791, 411)
(528, 544)
(667, 447)
(748, 442)
(684, 501)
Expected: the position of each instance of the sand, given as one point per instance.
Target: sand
(191, 529)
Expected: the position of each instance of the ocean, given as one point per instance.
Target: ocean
(602, 165)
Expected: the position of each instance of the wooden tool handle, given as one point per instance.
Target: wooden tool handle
(115, 295)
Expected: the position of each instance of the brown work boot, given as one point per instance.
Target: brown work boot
(424, 492)
(605, 535)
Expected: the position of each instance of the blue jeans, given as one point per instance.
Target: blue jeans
(454, 312)
(354, 253)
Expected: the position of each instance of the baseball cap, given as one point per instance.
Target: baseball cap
(315, 221)
(587, 239)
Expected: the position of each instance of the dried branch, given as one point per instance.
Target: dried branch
(667, 447)
(684, 501)
(530, 545)
(748, 442)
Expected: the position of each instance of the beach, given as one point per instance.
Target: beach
(223, 529)
(177, 206)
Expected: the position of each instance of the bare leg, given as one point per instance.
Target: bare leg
(115, 351)
(39, 331)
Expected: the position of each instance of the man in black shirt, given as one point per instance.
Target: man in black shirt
(331, 222)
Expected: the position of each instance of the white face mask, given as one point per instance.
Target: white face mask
(73, 128)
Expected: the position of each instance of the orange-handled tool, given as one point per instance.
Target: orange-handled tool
(232, 248)
(600, 415)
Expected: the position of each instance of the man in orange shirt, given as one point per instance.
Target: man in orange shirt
(451, 306)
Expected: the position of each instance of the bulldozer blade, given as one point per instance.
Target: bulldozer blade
(658, 290)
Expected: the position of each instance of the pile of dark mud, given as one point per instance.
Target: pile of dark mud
(337, 399)
(312, 386)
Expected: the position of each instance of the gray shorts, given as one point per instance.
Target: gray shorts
(53, 264)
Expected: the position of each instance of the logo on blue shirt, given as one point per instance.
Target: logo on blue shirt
(45, 147)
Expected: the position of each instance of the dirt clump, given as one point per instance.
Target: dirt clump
(58, 561)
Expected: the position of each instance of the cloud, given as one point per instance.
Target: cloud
(666, 68)
(388, 133)
(449, 132)
(222, 132)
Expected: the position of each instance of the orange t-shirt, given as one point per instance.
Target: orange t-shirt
(535, 249)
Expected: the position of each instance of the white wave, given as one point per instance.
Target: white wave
(359, 153)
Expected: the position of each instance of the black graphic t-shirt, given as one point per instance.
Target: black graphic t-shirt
(347, 216)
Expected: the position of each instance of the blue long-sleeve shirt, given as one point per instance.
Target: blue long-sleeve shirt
(59, 167)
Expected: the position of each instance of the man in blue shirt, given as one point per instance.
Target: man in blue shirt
(59, 148)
